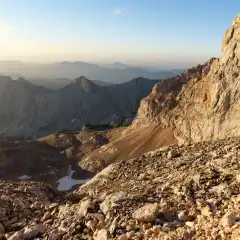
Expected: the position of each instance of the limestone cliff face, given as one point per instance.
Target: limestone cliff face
(205, 101)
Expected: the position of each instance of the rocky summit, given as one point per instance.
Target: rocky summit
(175, 192)
(204, 103)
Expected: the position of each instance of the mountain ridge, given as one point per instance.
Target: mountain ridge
(42, 111)
(206, 107)
(72, 70)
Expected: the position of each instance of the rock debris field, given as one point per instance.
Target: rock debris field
(176, 192)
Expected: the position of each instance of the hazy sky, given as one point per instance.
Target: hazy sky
(114, 30)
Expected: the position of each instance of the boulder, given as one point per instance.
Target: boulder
(110, 201)
(229, 219)
(183, 216)
(31, 232)
(147, 213)
(101, 235)
(84, 206)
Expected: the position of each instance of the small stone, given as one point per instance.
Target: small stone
(177, 224)
(228, 220)
(172, 154)
(46, 216)
(13, 220)
(53, 205)
(166, 227)
(158, 221)
(190, 224)
(97, 216)
(92, 225)
(156, 229)
(142, 176)
(3, 212)
(113, 225)
(63, 227)
(2, 229)
(66, 237)
(196, 178)
(147, 213)
(123, 224)
(130, 234)
(149, 232)
(16, 236)
(145, 227)
(100, 225)
(49, 221)
(183, 216)
(28, 232)
(54, 236)
(2, 237)
(100, 235)
(169, 216)
(37, 220)
(84, 206)
(123, 237)
(205, 211)
(110, 201)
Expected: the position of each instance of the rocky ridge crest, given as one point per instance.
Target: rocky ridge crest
(205, 103)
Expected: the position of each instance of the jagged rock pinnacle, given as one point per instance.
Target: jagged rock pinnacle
(236, 20)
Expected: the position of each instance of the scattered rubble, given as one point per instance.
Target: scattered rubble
(193, 196)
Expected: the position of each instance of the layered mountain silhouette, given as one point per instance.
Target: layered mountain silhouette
(57, 74)
(32, 111)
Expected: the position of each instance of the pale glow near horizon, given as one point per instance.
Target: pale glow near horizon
(12, 48)
(124, 31)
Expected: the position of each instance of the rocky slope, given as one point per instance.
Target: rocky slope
(200, 104)
(205, 104)
(31, 160)
(147, 133)
(31, 111)
(176, 192)
(22, 203)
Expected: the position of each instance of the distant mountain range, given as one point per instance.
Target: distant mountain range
(58, 83)
(32, 111)
(56, 75)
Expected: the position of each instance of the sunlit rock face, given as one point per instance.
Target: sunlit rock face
(205, 103)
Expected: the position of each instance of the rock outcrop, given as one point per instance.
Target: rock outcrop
(204, 102)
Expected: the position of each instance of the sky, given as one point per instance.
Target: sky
(143, 31)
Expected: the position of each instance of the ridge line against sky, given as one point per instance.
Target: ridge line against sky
(127, 31)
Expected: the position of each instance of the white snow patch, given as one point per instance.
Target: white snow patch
(66, 183)
(24, 177)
